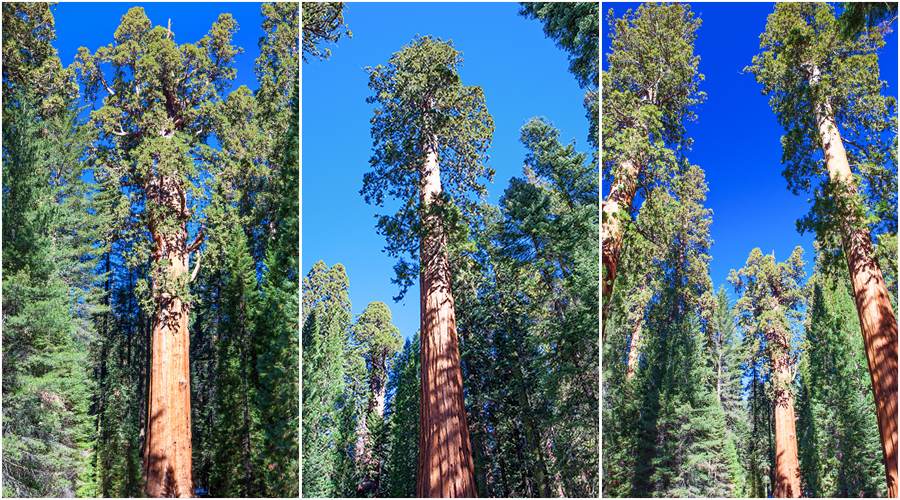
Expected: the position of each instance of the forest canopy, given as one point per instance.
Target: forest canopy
(502, 360)
(150, 253)
(781, 382)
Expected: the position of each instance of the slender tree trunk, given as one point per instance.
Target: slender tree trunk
(876, 317)
(636, 336)
(634, 351)
(365, 458)
(621, 196)
(167, 463)
(445, 457)
(787, 465)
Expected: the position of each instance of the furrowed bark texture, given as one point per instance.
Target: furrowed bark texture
(620, 198)
(445, 457)
(787, 465)
(876, 317)
(167, 454)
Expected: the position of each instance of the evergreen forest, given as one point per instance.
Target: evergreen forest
(781, 380)
(497, 392)
(150, 256)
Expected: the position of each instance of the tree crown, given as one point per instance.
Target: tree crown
(423, 106)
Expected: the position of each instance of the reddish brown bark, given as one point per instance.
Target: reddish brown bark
(787, 465)
(619, 201)
(167, 454)
(876, 317)
(445, 457)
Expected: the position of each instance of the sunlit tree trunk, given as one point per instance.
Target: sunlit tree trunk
(167, 454)
(370, 483)
(620, 198)
(634, 349)
(787, 465)
(876, 317)
(445, 458)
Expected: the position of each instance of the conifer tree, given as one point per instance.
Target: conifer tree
(326, 317)
(727, 357)
(837, 432)
(277, 72)
(49, 298)
(647, 92)
(323, 22)
(447, 129)
(667, 433)
(236, 470)
(31, 63)
(576, 28)
(826, 92)
(277, 334)
(770, 295)
(150, 122)
(402, 413)
(379, 340)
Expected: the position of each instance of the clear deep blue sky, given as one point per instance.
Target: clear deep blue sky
(737, 139)
(523, 75)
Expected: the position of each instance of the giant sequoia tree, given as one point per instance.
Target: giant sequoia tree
(770, 295)
(379, 340)
(648, 91)
(427, 121)
(825, 91)
(157, 105)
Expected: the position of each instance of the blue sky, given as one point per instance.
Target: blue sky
(737, 139)
(523, 75)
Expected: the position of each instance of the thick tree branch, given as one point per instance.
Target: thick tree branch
(196, 243)
(196, 269)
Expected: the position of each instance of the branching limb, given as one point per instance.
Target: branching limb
(196, 269)
(197, 241)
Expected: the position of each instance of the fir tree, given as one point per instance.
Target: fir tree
(235, 469)
(49, 298)
(326, 318)
(837, 434)
(402, 413)
(278, 341)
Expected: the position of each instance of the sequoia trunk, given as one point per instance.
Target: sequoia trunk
(876, 317)
(445, 457)
(621, 196)
(787, 465)
(167, 454)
